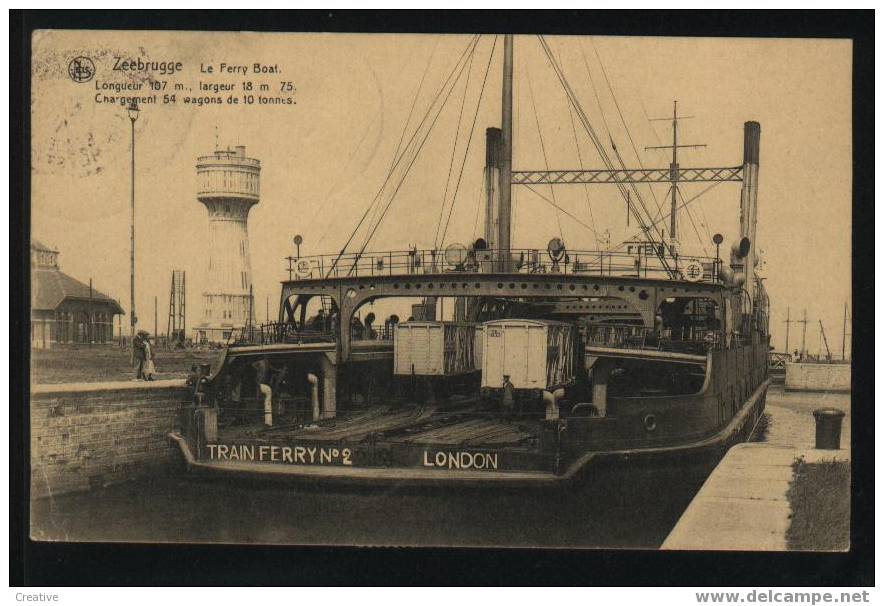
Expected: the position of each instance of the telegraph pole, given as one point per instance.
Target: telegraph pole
(133, 116)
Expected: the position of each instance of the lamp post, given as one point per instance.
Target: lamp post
(133, 116)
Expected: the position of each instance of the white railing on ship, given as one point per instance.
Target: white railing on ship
(642, 264)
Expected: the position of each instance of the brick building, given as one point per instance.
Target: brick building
(63, 309)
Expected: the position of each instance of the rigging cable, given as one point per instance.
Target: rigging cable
(694, 225)
(601, 150)
(611, 138)
(453, 151)
(680, 206)
(632, 186)
(414, 102)
(557, 207)
(411, 163)
(620, 113)
(408, 119)
(543, 150)
(595, 234)
(399, 159)
(469, 141)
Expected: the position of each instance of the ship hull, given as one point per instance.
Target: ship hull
(424, 466)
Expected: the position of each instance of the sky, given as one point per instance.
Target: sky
(325, 157)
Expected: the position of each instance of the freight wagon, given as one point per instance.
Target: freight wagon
(434, 349)
(534, 354)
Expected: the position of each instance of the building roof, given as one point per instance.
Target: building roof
(49, 287)
(37, 245)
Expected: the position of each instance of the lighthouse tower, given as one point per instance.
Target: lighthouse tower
(228, 187)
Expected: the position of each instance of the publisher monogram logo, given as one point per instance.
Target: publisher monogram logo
(81, 69)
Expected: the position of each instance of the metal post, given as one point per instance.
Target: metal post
(844, 333)
(673, 171)
(89, 329)
(133, 116)
(506, 155)
(183, 297)
(155, 333)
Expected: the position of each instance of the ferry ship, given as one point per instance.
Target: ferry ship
(549, 364)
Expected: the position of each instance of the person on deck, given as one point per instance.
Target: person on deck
(508, 398)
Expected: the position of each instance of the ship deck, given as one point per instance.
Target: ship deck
(466, 423)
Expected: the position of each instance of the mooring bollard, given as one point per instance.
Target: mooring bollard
(828, 428)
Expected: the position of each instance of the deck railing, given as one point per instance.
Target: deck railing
(287, 332)
(630, 336)
(641, 263)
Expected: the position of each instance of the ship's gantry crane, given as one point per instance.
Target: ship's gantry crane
(499, 160)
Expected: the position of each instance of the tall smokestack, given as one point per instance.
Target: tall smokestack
(492, 192)
(749, 198)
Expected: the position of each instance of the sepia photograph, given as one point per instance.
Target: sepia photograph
(441, 290)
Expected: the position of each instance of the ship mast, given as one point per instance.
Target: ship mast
(506, 157)
(674, 173)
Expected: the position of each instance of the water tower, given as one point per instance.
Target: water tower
(228, 187)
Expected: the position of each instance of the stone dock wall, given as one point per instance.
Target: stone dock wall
(91, 434)
(803, 376)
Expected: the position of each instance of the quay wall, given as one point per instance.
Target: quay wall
(803, 376)
(86, 435)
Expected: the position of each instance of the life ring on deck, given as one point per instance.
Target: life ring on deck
(650, 422)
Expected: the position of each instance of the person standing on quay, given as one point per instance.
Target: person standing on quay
(149, 369)
(140, 355)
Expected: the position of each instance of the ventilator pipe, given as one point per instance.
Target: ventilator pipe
(740, 248)
(314, 394)
(735, 277)
(551, 398)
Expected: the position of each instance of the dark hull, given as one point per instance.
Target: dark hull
(579, 468)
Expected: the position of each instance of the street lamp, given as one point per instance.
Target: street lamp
(133, 116)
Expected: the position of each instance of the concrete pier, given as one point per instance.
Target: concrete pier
(743, 503)
(815, 376)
